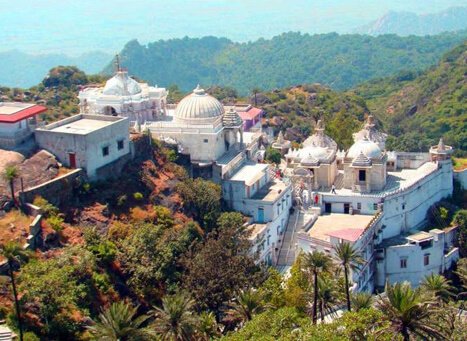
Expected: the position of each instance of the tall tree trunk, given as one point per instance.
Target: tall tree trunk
(15, 295)
(321, 308)
(347, 289)
(405, 334)
(315, 297)
(12, 189)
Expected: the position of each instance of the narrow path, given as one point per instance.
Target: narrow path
(287, 251)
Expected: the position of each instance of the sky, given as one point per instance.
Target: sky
(76, 26)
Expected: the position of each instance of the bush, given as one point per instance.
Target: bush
(138, 196)
(55, 222)
(47, 208)
(122, 200)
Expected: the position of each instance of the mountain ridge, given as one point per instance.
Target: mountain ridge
(409, 23)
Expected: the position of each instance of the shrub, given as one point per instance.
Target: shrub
(47, 208)
(55, 222)
(138, 196)
(121, 200)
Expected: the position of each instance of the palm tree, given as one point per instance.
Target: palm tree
(10, 174)
(349, 259)
(207, 326)
(119, 322)
(438, 286)
(409, 312)
(175, 320)
(245, 305)
(327, 296)
(361, 300)
(14, 253)
(315, 263)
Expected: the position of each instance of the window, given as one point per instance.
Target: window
(426, 259)
(375, 206)
(403, 206)
(359, 205)
(105, 151)
(120, 144)
(403, 263)
(361, 175)
(205, 140)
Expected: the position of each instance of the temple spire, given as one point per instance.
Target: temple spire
(117, 63)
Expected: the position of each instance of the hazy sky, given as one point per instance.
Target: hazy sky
(76, 26)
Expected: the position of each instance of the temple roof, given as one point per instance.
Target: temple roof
(121, 85)
(370, 132)
(199, 105)
(232, 119)
(319, 138)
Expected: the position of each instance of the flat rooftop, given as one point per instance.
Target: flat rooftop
(255, 230)
(420, 236)
(399, 179)
(271, 191)
(82, 124)
(339, 225)
(250, 173)
(11, 112)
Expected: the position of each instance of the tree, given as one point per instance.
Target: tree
(119, 323)
(409, 312)
(438, 286)
(14, 253)
(273, 155)
(327, 296)
(207, 328)
(272, 290)
(316, 262)
(349, 259)
(175, 319)
(361, 300)
(222, 265)
(10, 174)
(246, 304)
(201, 199)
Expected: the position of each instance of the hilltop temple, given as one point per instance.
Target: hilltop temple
(123, 96)
(375, 199)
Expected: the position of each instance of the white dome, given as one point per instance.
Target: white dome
(319, 153)
(121, 85)
(368, 148)
(199, 105)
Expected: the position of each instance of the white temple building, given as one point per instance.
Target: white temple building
(123, 96)
(368, 196)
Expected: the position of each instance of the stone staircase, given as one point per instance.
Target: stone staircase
(5, 333)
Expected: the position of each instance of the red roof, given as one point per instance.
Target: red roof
(15, 112)
(250, 114)
(350, 235)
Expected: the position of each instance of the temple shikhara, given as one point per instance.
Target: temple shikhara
(317, 196)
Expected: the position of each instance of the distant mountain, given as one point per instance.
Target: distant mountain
(416, 109)
(407, 23)
(19, 69)
(339, 61)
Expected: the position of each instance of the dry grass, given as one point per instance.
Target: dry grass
(460, 163)
(14, 226)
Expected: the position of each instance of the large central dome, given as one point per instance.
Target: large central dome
(121, 85)
(199, 105)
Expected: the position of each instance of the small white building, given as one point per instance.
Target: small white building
(254, 191)
(17, 123)
(411, 258)
(123, 96)
(87, 141)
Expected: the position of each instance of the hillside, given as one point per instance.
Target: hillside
(26, 70)
(418, 108)
(338, 61)
(408, 23)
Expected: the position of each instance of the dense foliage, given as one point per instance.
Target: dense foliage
(418, 108)
(339, 61)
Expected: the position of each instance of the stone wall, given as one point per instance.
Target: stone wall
(461, 176)
(56, 191)
(112, 170)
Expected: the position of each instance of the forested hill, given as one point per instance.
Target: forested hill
(417, 108)
(338, 61)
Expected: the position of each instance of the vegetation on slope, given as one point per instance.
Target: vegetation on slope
(339, 61)
(418, 108)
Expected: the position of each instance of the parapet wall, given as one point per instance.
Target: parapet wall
(56, 191)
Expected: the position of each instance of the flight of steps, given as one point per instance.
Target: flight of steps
(5, 333)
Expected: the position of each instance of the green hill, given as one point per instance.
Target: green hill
(417, 108)
(338, 61)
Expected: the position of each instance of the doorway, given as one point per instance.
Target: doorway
(327, 207)
(347, 208)
(72, 160)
